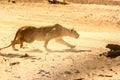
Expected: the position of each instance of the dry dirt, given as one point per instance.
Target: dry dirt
(97, 25)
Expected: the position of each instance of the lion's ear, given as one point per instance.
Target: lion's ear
(72, 29)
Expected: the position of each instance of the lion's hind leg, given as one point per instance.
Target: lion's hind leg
(14, 43)
(21, 43)
(46, 43)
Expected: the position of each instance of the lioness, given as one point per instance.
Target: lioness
(30, 33)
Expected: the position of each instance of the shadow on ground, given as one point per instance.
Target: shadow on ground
(26, 56)
(11, 55)
(71, 50)
(60, 51)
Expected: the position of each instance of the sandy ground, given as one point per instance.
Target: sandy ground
(97, 25)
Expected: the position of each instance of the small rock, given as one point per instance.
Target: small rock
(5, 59)
(14, 63)
(105, 75)
(17, 76)
(77, 71)
(80, 79)
(44, 73)
(26, 55)
(67, 72)
(111, 69)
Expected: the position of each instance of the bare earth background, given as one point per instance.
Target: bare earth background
(97, 25)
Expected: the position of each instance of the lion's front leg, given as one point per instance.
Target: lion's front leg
(50, 35)
(61, 41)
(45, 45)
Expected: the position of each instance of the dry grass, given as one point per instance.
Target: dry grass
(73, 15)
(106, 2)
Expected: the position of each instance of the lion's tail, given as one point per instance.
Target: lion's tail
(6, 46)
(12, 41)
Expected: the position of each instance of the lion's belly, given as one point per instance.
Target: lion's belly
(29, 38)
(39, 36)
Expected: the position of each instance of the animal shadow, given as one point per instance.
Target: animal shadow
(35, 50)
(71, 50)
(10, 55)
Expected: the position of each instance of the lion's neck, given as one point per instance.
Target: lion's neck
(66, 32)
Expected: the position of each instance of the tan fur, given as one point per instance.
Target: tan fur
(30, 33)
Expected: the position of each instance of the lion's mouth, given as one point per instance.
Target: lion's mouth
(77, 37)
